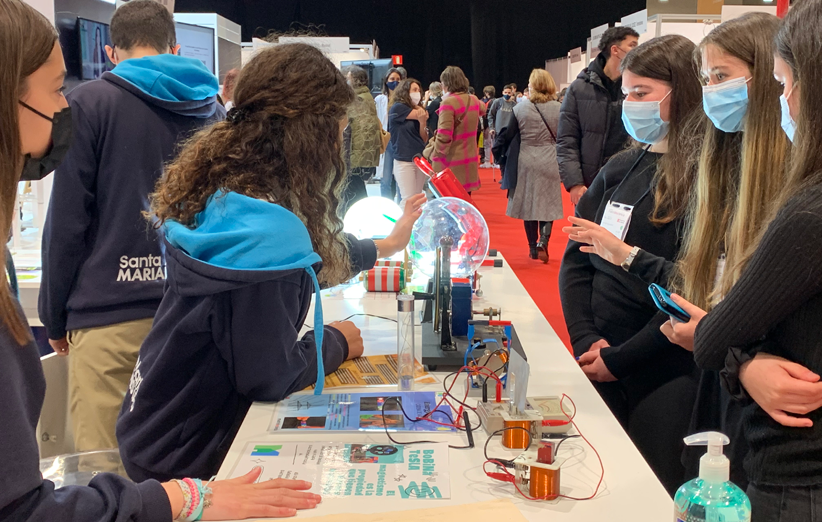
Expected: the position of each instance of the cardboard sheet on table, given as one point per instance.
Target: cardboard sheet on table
(490, 511)
(375, 370)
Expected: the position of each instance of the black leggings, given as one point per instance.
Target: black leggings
(533, 228)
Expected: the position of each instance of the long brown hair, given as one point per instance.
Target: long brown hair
(402, 94)
(283, 146)
(26, 41)
(668, 59)
(739, 173)
(801, 51)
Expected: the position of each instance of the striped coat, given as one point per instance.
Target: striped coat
(456, 148)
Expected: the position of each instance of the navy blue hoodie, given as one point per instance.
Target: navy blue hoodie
(101, 263)
(226, 334)
(24, 495)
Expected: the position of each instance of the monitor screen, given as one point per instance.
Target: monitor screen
(94, 36)
(376, 69)
(197, 42)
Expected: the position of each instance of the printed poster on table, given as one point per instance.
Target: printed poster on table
(337, 469)
(363, 412)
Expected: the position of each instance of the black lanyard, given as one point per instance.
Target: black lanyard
(631, 170)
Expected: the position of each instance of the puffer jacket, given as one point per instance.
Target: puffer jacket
(587, 117)
(365, 130)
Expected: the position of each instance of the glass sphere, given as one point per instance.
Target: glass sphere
(458, 220)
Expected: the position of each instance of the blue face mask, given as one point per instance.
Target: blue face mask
(788, 125)
(506, 96)
(643, 121)
(726, 104)
(391, 85)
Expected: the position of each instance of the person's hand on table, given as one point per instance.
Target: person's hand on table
(781, 387)
(399, 237)
(352, 335)
(598, 240)
(594, 367)
(241, 498)
(577, 192)
(683, 333)
(60, 346)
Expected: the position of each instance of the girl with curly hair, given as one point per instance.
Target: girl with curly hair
(249, 210)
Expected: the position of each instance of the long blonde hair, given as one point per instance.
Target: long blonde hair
(26, 41)
(739, 173)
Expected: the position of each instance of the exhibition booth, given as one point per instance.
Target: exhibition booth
(478, 377)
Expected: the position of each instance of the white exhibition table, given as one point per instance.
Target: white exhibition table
(630, 491)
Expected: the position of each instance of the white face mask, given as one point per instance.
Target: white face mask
(416, 97)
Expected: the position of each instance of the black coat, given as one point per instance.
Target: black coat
(589, 124)
(506, 152)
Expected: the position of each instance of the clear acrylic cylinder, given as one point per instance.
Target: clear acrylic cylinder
(406, 343)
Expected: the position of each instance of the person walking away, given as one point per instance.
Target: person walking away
(590, 124)
(103, 271)
(455, 144)
(365, 138)
(536, 196)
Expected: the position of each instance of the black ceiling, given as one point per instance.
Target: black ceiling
(494, 42)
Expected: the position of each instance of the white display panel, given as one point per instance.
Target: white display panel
(197, 42)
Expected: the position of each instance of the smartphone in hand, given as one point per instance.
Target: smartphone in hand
(662, 300)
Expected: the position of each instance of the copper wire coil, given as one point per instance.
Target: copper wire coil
(516, 438)
(544, 483)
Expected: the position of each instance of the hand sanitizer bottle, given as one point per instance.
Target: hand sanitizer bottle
(711, 497)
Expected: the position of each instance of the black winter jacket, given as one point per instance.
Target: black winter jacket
(590, 126)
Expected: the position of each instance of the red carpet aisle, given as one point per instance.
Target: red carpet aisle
(508, 236)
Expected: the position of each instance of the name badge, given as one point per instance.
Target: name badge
(617, 219)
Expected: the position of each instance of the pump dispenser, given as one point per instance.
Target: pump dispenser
(711, 496)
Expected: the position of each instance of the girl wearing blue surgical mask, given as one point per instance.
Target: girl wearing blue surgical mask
(765, 334)
(385, 170)
(741, 168)
(639, 199)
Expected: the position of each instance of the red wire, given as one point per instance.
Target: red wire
(457, 424)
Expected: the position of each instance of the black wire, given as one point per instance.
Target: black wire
(370, 315)
(447, 393)
(399, 443)
(563, 440)
(505, 462)
(355, 315)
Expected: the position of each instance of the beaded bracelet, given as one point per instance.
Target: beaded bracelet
(196, 501)
(186, 500)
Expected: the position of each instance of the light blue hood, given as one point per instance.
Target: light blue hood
(239, 234)
(169, 77)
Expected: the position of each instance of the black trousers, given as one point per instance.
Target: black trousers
(355, 189)
(785, 503)
(534, 228)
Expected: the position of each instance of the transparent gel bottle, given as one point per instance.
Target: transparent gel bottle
(711, 497)
(406, 346)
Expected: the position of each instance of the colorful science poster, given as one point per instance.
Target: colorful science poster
(363, 412)
(337, 469)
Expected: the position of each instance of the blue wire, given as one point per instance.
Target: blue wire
(465, 359)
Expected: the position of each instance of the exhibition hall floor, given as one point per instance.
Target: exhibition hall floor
(508, 236)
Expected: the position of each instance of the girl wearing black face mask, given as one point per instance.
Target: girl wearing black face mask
(35, 133)
(388, 186)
